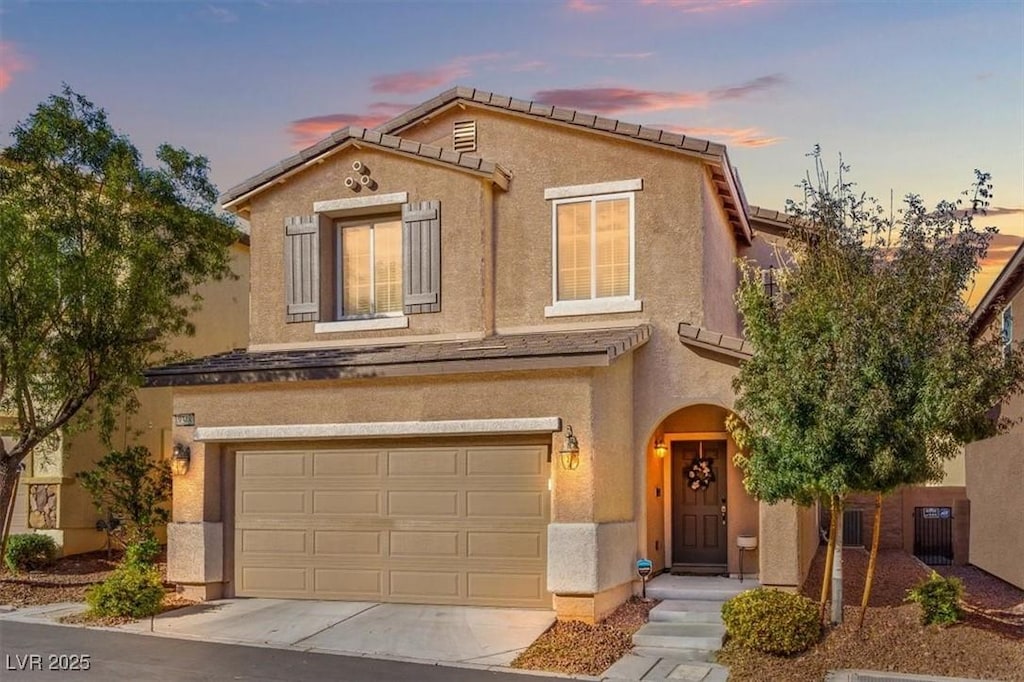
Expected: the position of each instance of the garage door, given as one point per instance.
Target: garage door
(431, 525)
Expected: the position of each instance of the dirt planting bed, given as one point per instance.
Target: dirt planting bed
(988, 645)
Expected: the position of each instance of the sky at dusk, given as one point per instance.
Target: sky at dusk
(915, 95)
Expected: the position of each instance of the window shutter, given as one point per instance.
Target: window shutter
(302, 268)
(421, 257)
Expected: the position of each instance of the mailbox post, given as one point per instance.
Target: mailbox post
(644, 567)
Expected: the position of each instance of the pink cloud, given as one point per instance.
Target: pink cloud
(11, 62)
(308, 131)
(702, 6)
(535, 65)
(616, 100)
(585, 6)
(759, 84)
(733, 137)
(409, 82)
(1000, 249)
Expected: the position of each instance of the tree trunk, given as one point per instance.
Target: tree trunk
(9, 475)
(837, 567)
(826, 577)
(875, 537)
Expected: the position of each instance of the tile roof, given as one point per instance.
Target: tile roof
(508, 351)
(699, 337)
(768, 220)
(373, 138)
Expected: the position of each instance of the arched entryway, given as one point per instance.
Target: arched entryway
(696, 504)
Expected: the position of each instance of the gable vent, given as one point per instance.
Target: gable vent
(464, 136)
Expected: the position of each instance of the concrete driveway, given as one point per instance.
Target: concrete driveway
(446, 634)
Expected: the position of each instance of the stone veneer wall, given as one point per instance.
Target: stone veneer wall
(42, 505)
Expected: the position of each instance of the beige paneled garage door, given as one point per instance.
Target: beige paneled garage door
(458, 525)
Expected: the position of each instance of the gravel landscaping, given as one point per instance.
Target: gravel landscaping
(575, 648)
(988, 645)
(67, 580)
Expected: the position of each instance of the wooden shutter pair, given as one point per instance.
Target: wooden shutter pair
(310, 267)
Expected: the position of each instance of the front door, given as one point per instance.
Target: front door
(698, 501)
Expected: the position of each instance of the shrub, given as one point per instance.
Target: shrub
(939, 598)
(133, 486)
(143, 552)
(30, 552)
(133, 589)
(771, 621)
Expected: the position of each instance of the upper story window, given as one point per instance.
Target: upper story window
(1007, 328)
(369, 256)
(593, 244)
(364, 263)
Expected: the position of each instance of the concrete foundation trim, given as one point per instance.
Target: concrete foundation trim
(586, 558)
(195, 552)
(457, 427)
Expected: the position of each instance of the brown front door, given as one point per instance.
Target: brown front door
(698, 523)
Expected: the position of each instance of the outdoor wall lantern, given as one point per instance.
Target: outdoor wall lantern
(660, 449)
(570, 452)
(181, 458)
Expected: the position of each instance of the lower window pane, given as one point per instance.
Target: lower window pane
(387, 267)
(573, 251)
(355, 271)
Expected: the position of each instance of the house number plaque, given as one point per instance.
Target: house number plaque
(185, 419)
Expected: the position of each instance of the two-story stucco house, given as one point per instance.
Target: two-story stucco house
(995, 466)
(434, 304)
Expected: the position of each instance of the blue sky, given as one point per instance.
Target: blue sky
(914, 94)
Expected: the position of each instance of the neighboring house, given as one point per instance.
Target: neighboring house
(434, 303)
(49, 498)
(995, 466)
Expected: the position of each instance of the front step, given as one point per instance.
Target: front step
(672, 587)
(686, 611)
(706, 636)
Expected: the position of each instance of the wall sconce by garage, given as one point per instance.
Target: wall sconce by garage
(181, 458)
(660, 449)
(569, 455)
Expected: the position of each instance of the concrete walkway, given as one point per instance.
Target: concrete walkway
(655, 669)
(477, 637)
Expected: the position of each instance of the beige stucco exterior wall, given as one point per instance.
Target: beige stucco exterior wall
(993, 474)
(221, 324)
(720, 270)
(464, 220)
(995, 471)
(540, 156)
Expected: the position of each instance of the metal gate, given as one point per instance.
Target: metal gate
(933, 535)
(853, 528)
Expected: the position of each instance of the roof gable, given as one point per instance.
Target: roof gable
(387, 136)
(233, 198)
(715, 155)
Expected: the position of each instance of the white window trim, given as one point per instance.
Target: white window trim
(580, 191)
(594, 306)
(340, 205)
(384, 321)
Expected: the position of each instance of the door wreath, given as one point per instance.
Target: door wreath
(699, 476)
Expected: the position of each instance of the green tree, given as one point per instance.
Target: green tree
(132, 486)
(864, 376)
(100, 257)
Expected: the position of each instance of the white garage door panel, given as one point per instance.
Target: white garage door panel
(419, 525)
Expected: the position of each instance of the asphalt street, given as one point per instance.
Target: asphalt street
(50, 652)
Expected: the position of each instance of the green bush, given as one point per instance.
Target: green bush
(143, 552)
(30, 552)
(133, 589)
(771, 621)
(939, 599)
